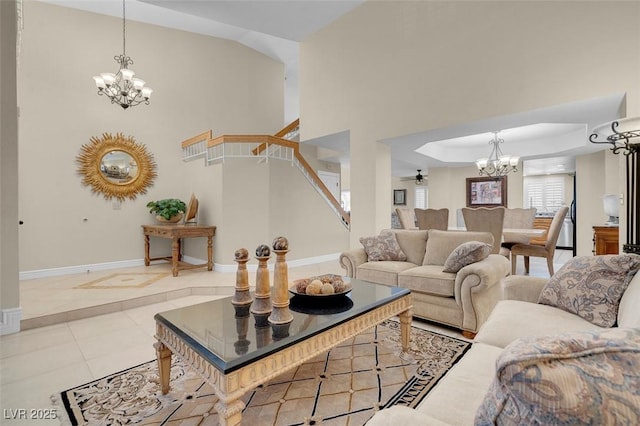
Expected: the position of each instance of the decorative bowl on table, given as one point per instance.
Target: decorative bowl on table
(322, 287)
(309, 305)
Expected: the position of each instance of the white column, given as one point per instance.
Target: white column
(9, 288)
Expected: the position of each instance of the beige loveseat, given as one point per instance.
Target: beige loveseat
(534, 363)
(462, 300)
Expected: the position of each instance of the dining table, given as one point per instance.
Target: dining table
(512, 234)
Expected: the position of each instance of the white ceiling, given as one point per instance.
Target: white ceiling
(543, 138)
(291, 19)
(556, 132)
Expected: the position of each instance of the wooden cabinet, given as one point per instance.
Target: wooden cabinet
(605, 240)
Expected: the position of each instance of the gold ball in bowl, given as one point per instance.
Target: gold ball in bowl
(327, 288)
(314, 287)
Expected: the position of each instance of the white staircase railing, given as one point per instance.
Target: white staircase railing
(196, 147)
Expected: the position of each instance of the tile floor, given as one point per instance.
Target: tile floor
(77, 332)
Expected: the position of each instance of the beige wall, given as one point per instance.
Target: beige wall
(447, 188)
(409, 186)
(200, 83)
(258, 201)
(394, 68)
(590, 186)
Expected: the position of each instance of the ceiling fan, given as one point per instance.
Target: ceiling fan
(418, 179)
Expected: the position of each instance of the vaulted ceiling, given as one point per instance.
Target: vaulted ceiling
(549, 139)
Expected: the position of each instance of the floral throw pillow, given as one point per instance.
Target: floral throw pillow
(466, 254)
(574, 378)
(591, 286)
(383, 247)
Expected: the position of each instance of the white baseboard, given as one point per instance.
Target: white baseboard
(10, 321)
(80, 269)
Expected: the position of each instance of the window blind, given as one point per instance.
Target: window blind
(420, 197)
(545, 193)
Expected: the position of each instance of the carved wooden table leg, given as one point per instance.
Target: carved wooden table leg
(175, 252)
(405, 330)
(229, 414)
(210, 253)
(179, 249)
(147, 260)
(164, 366)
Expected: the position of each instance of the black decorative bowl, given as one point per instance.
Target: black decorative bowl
(315, 305)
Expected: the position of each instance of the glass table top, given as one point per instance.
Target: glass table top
(229, 341)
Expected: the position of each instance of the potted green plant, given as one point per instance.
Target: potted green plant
(167, 210)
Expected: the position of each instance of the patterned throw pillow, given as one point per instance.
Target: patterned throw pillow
(383, 247)
(591, 286)
(466, 254)
(575, 378)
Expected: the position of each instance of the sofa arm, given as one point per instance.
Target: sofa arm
(477, 289)
(350, 260)
(525, 288)
(486, 273)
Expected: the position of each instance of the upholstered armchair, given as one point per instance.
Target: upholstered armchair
(407, 218)
(485, 219)
(517, 218)
(547, 250)
(432, 218)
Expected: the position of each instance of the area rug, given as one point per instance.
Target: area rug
(344, 386)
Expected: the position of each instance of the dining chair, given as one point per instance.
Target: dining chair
(547, 250)
(406, 218)
(486, 219)
(432, 218)
(517, 218)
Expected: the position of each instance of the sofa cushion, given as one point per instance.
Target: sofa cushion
(591, 286)
(466, 254)
(412, 243)
(440, 244)
(429, 279)
(511, 319)
(578, 378)
(628, 312)
(383, 247)
(383, 272)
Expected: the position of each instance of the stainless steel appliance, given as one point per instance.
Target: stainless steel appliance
(565, 239)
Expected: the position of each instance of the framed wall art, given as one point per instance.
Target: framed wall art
(487, 192)
(399, 197)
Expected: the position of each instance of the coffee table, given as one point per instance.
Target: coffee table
(234, 352)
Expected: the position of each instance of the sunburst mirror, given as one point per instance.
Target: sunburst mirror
(116, 166)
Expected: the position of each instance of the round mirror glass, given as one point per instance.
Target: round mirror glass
(118, 167)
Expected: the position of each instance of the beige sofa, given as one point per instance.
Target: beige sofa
(462, 300)
(546, 346)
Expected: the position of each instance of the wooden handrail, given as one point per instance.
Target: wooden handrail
(295, 123)
(261, 139)
(198, 138)
(322, 186)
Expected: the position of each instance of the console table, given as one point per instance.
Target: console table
(176, 233)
